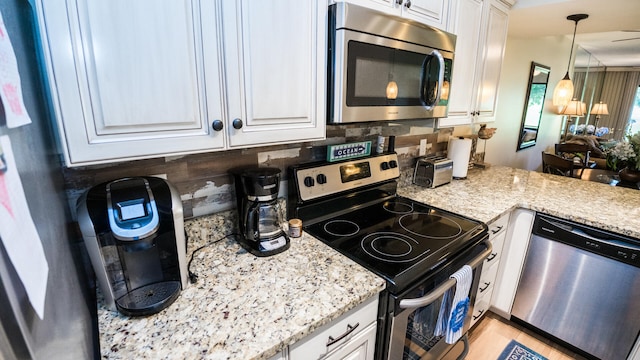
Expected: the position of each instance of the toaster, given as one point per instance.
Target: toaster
(433, 171)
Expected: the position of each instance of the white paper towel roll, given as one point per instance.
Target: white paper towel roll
(459, 151)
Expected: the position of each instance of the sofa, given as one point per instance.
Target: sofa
(596, 153)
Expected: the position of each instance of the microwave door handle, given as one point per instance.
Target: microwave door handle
(451, 282)
(438, 56)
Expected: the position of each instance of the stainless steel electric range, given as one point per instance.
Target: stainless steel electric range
(352, 206)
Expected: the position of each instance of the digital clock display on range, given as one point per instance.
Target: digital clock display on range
(352, 172)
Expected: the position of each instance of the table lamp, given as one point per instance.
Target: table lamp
(574, 108)
(599, 109)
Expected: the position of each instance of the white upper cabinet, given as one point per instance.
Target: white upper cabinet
(496, 23)
(131, 80)
(430, 12)
(481, 27)
(275, 61)
(128, 80)
(466, 16)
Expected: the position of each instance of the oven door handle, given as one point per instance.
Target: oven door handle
(440, 290)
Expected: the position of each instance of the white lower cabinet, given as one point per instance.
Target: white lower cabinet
(360, 347)
(497, 235)
(352, 336)
(509, 269)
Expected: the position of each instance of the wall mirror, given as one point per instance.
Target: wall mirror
(588, 78)
(533, 105)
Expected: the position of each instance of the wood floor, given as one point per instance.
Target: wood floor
(489, 337)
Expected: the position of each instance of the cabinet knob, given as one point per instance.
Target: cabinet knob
(217, 125)
(408, 4)
(237, 124)
(399, 2)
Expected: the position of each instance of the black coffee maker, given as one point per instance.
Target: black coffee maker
(133, 229)
(260, 215)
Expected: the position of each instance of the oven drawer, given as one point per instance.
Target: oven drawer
(336, 333)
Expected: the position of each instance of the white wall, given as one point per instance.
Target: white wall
(519, 53)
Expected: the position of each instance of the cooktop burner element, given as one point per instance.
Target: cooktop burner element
(391, 247)
(341, 228)
(398, 207)
(431, 226)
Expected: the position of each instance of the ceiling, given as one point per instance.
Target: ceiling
(608, 20)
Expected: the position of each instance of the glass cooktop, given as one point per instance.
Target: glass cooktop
(398, 239)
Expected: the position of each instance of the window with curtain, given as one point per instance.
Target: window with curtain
(620, 92)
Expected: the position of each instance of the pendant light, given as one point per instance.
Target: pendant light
(563, 93)
(392, 90)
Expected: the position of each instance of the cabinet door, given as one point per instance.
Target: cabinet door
(511, 262)
(361, 347)
(496, 19)
(346, 332)
(465, 21)
(128, 79)
(430, 12)
(275, 67)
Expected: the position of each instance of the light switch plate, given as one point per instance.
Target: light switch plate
(423, 147)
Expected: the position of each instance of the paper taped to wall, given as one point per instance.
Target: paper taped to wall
(19, 235)
(10, 88)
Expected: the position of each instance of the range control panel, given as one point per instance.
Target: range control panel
(331, 178)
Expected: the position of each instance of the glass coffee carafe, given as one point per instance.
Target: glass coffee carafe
(259, 212)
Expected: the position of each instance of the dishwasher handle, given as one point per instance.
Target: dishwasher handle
(611, 242)
(597, 241)
(451, 282)
(575, 230)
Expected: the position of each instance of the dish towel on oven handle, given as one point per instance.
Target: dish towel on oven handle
(453, 312)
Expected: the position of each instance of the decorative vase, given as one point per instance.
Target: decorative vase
(629, 175)
(485, 133)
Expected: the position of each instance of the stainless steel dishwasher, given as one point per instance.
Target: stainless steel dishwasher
(581, 285)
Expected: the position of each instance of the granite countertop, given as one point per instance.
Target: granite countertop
(245, 307)
(242, 306)
(488, 193)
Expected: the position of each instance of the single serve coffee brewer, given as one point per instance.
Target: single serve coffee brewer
(133, 229)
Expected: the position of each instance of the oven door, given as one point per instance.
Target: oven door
(416, 311)
(377, 78)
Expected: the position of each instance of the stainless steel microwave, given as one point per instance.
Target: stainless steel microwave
(383, 67)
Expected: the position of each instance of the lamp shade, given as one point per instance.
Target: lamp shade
(574, 108)
(563, 92)
(600, 109)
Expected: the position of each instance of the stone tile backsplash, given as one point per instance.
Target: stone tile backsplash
(206, 186)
